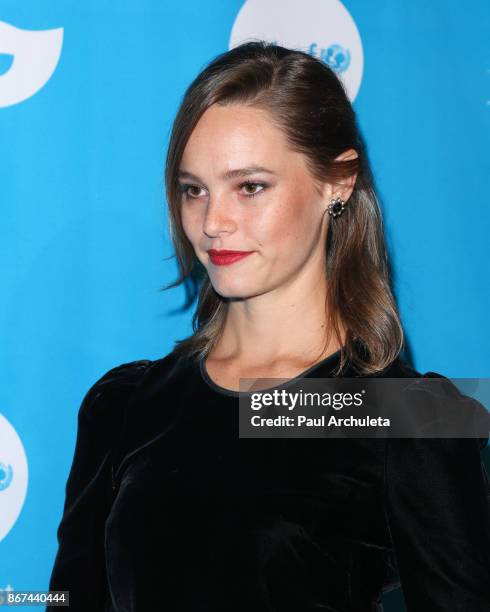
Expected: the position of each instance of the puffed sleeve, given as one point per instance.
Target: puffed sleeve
(437, 504)
(79, 565)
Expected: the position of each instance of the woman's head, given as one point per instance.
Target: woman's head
(227, 203)
(264, 105)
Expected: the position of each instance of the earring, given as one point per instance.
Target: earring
(336, 207)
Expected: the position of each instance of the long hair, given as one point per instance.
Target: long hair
(308, 102)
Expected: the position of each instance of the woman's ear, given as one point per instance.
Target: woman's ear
(345, 186)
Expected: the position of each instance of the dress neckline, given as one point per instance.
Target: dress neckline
(326, 361)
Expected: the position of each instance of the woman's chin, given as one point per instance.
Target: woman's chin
(233, 289)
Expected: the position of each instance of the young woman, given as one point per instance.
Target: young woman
(273, 211)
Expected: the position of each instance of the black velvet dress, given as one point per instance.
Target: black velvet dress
(168, 510)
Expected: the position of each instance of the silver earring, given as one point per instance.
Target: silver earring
(336, 207)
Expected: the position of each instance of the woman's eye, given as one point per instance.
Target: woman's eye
(253, 186)
(251, 190)
(187, 188)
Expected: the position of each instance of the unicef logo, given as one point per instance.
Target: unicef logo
(12, 490)
(6, 474)
(335, 56)
(296, 24)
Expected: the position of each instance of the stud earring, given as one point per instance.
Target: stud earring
(336, 207)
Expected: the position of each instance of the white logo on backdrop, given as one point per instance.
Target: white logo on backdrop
(35, 55)
(322, 28)
(13, 476)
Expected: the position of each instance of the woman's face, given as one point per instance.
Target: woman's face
(274, 212)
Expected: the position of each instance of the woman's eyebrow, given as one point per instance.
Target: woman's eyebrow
(229, 174)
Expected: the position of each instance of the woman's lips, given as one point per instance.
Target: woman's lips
(225, 258)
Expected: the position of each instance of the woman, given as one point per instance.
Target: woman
(166, 507)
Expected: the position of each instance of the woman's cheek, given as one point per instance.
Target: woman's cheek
(190, 224)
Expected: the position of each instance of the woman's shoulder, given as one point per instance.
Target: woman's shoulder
(132, 373)
(104, 400)
(400, 368)
(124, 373)
(118, 384)
(108, 409)
(434, 393)
(117, 379)
(132, 381)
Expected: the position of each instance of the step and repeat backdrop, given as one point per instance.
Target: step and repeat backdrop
(88, 93)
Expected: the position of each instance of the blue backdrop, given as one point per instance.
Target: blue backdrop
(88, 92)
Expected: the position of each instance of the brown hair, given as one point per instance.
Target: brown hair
(308, 102)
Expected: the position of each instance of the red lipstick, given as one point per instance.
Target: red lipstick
(225, 257)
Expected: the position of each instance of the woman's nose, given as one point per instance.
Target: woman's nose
(218, 217)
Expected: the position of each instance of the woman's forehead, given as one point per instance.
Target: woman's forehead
(233, 138)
